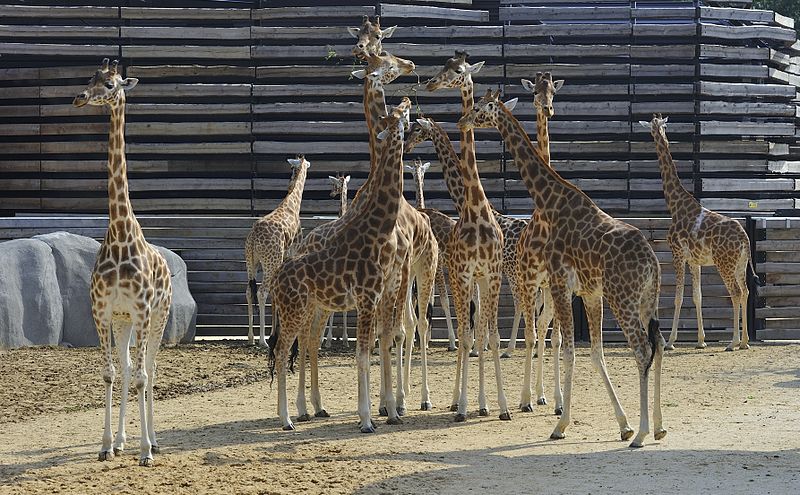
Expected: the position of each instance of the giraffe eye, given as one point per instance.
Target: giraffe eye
(109, 85)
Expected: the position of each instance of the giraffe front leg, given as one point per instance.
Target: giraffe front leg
(364, 338)
(697, 298)
(658, 422)
(313, 352)
(153, 344)
(108, 373)
(123, 338)
(543, 320)
(140, 381)
(525, 404)
(556, 342)
(679, 263)
(563, 309)
(489, 317)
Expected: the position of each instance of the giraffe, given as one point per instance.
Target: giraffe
(441, 225)
(370, 37)
(475, 247)
(701, 237)
(338, 188)
(131, 288)
(532, 277)
(267, 244)
(593, 255)
(350, 271)
(457, 73)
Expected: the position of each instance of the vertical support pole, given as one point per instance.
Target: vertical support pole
(752, 299)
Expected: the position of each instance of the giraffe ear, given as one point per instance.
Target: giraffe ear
(425, 166)
(665, 120)
(557, 85)
(425, 123)
(476, 67)
(388, 32)
(129, 83)
(347, 179)
(409, 167)
(294, 162)
(645, 123)
(359, 74)
(528, 85)
(354, 32)
(383, 134)
(333, 179)
(510, 104)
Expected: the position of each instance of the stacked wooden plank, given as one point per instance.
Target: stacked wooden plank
(778, 264)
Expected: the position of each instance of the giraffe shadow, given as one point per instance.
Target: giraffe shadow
(795, 383)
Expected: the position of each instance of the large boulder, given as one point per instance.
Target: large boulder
(31, 312)
(44, 292)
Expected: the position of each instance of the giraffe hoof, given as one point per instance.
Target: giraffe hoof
(451, 348)
(660, 433)
(119, 450)
(669, 347)
(483, 412)
(506, 416)
(557, 435)
(701, 345)
(368, 429)
(155, 449)
(505, 355)
(401, 411)
(626, 433)
(459, 418)
(541, 401)
(454, 408)
(730, 348)
(289, 427)
(473, 353)
(743, 347)
(304, 417)
(526, 407)
(322, 414)
(636, 445)
(558, 411)
(146, 461)
(426, 406)
(394, 421)
(382, 411)
(105, 455)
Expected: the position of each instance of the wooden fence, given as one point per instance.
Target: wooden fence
(213, 250)
(229, 89)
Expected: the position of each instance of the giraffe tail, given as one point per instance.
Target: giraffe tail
(655, 339)
(253, 289)
(272, 341)
(752, 272)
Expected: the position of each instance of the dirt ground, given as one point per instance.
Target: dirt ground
(733, 421)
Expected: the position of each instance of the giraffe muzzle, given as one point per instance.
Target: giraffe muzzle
(81, 100)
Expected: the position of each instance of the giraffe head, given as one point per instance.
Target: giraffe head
(384, 68)
(543, 91)
(298, 163)
(105, 87)
(396, 122)
(456, 73)
(418, 170)
(338, 184)
(369, 37)
(486, 111)
(420, 131)
(657, 126)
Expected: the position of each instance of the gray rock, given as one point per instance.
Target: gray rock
(74, 257)
(183, 312)
(30, 301)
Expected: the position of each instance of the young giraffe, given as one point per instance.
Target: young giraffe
(457, 73)
(267, 245)
(701, 237)
(350, 271)
(131, 287)
(338, 188)
(594, 255)
(441, 225)
(531, 267)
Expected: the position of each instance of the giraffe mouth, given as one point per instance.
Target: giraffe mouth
(80, 100)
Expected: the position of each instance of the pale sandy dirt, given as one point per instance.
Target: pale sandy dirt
(733, 421)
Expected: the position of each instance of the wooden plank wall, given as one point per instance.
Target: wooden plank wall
(229, 89)
(213, 250)
(778, 256)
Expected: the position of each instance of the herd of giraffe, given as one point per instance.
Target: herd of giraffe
(380, 248)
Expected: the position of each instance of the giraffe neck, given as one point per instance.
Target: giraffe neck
(343, 202)
(374, 109)
(467, 136)
(543, 136)
(291, 203)
(450, 164)
(119, 203)
(675, 194)
(418, 179)
(550, 192)
(383, 201)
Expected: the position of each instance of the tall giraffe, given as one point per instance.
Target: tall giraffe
(532, 277)
(338, 188)
(457, 73)
(593, 255)
(701, 237)
(441, 225)
(131, 287)
(350, 271)
(474, 249)
(267, 245)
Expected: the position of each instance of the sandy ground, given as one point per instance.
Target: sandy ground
(733, 421)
